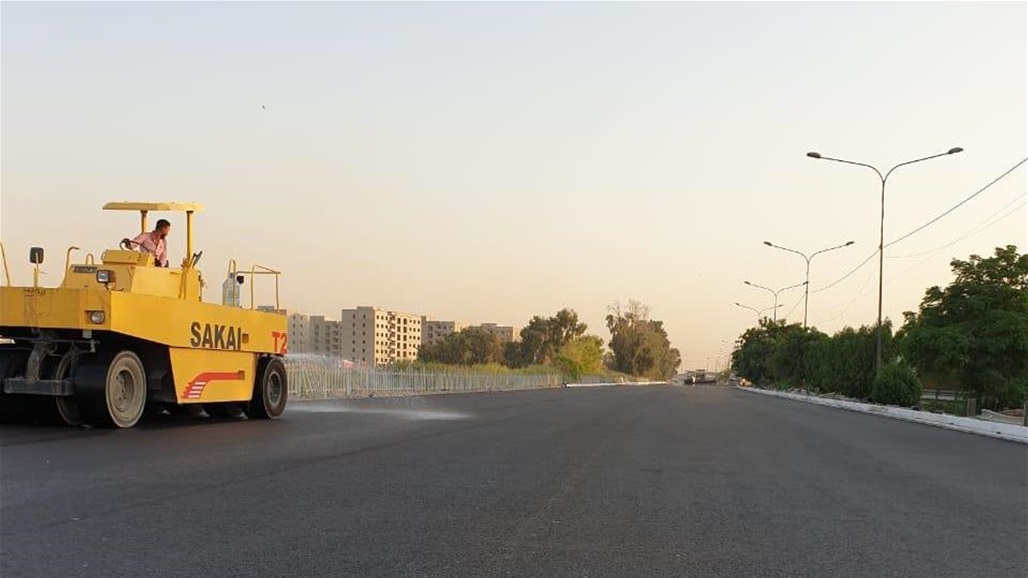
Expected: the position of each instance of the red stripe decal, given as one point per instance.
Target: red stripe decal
(194, 389)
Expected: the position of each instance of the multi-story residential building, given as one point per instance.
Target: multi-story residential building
(373, 335)
(298, 333)
(504, 333)
(325, 337)
(359, 331)
(433, 330)
(379, 336)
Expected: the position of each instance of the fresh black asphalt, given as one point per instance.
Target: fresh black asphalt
(606, 481)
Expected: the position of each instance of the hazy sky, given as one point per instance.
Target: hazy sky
(491, 161)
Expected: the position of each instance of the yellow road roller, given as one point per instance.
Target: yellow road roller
(125, 335)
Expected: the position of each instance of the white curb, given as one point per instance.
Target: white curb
(1017, 433)
(612, 383)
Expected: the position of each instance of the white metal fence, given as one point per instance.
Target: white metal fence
(312, 377)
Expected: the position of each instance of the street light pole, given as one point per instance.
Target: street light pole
(806, 291)
(775, 293)
(759, 312)
(881, 231)
(721, 355)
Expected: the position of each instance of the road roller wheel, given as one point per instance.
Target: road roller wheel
(270, 391)
(13, 408)
(115, 395)
(52, 410)
(67, 406)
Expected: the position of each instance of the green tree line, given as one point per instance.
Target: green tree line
(638, 347)
(971, 336)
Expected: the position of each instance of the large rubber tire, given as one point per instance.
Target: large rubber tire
(270, 391)
(116, 397)
(13, 408)
(67, 406)
(57, 410)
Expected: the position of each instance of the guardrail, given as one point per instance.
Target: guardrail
(324, 378)
(941, 394)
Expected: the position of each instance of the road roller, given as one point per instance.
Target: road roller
(123, 336)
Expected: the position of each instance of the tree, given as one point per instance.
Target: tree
(815, 358)
(543, 338)
(854, 356)
(754, 350)
(788, 364)
(788, 355)
(565, 327)
(470, 346)
(976, 329)
(640, 346)
(626, 337)
(581, 356)
(480, 346)
(512, 354)
(667, 359)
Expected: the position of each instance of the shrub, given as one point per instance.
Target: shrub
(896, 384)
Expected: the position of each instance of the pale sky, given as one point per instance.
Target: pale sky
(492, 161)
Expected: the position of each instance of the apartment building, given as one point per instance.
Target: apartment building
(379, 336)
(504, 333)
(325, 336)
(433, 330)
(373, 335)
(298, 333)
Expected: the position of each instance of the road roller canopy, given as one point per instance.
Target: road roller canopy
(165, 207)
(147, 207)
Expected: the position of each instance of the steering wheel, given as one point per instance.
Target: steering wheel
(127, 243)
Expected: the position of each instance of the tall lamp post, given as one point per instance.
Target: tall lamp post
(775, 293)
(881, 230)
(720, 356)
(759, 312)
(806, 291)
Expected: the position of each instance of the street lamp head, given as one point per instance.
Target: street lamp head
(814, 155)
(747, 282)
(850, 243)
(768, 243)
(954, 150)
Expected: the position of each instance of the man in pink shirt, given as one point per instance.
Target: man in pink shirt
(153, 242)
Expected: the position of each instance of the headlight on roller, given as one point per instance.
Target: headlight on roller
(105, 276)
(96, 317)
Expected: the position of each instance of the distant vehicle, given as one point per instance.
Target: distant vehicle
(680, 379)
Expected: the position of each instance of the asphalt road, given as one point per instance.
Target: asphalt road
(627, 481)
